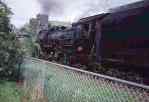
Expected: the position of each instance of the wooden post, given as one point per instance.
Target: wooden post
(98, 41)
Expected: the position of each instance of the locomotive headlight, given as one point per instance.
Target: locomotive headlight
(80, 48)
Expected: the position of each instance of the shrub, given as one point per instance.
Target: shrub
(10, 53)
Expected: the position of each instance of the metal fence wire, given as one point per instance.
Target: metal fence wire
(58, 83)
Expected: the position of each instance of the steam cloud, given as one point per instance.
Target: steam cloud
(72, 10)
(48, 6)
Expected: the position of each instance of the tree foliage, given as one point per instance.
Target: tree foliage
(29, 43)
(10, 53)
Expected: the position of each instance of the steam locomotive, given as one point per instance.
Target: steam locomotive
(64, 45)
(124, 37)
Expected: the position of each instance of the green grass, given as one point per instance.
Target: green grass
(9, 92)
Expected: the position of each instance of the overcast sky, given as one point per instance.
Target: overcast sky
(66, 10)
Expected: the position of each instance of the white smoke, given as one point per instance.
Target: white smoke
(72, 10)
(49, 6)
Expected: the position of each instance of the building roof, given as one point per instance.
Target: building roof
(92, 18)
(118, 13)
(131, 10)
(139, 4)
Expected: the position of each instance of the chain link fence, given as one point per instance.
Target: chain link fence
(58, 83)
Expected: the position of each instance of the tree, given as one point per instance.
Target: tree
(10, 53)
(29, 44)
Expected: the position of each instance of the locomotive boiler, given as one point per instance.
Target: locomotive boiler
(64, 45)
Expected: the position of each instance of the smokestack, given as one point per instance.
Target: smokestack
(42, 22)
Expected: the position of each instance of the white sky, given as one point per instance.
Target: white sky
(72, 9)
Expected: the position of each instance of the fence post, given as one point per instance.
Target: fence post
(98, 41)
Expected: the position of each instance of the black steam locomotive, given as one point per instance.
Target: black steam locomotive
(124, 39)
(124, 36)
(64, 45)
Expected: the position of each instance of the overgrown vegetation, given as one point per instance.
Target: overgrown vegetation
(29, 41)
(10, 53)
(29, 47)
(120, 72)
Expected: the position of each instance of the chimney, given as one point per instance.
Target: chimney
(42, 22)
